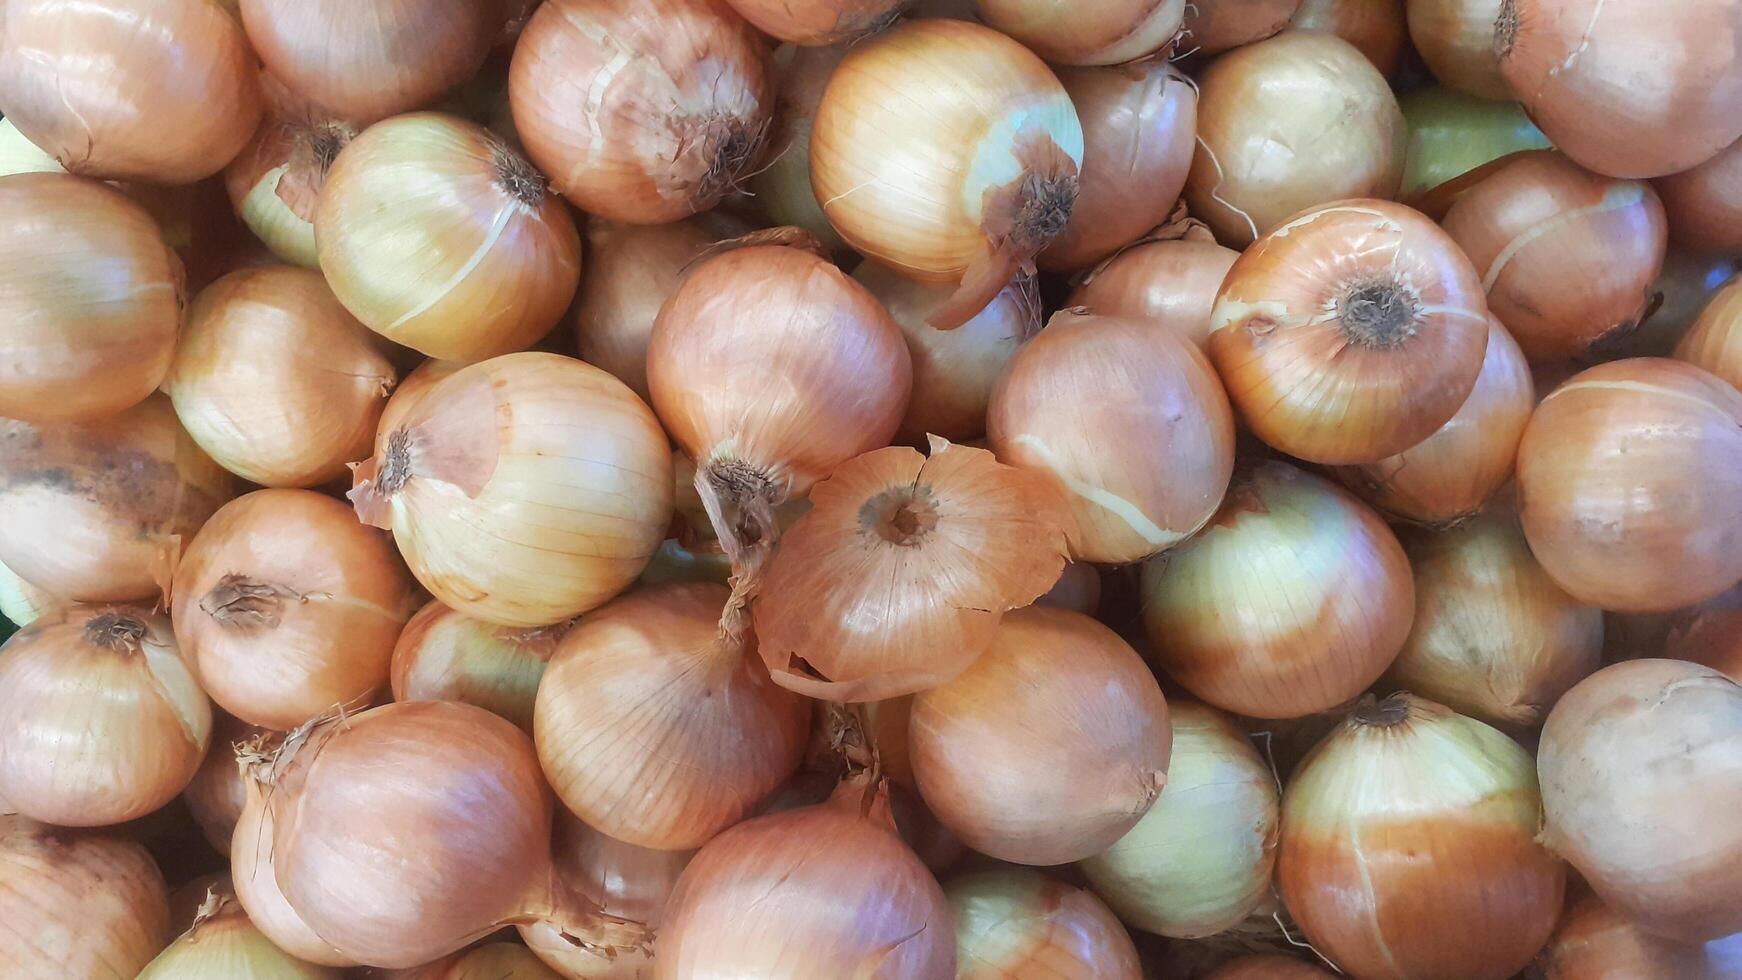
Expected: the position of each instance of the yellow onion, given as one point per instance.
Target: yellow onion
(658, 689)
(1170, 281)
(77, 905)
(1641, 767)
(78, 525)
(1200, 860)
(1099, 34)
(1592, 942)
(443, 655)
(162, 92)
(1562, 58)
(216, 795)
(197, 223)
(275, 181)
(1715, 340)
(491, 961)
(782, 185)
(1287, 124)
(439, 236)
(1375, 27)
(18, 155)
(641, 113)
(1293, 600)
(1022, 923)
(1456, 40)
(90, 299)
(252, 853)
(288, 607)
(817, 22)
(275, 381)
(1452, 134)
(1139, 124)
(22, 603)
(100, 719)
(222, 944)
(1704, 204)
(1350, 333)
(823, 891)
(1409, 847)
(522, 490)
(1131, 422)
(1217, 25)
(1078, 588)
(1049, 747)
(1268, 967)
(1630, 485)
(949, 152)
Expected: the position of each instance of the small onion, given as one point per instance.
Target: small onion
(523, 490)
(222, 944)
(491, 961)
(252, 854)
(1172, 282)
(818, 22)
(142, 726)
(22, 603)
(288, 608)
(1452, 134)
(782, 185)
(274, 182)
(641, 113)
(1200, 860)
(1218, 25)
(1456, 40)
(1563, 58)
(1705, 203)
(18, 155)
(1641, 767)
(438, 236)
(1715, 341)
(1292, 601)
(1630, 485)
(1268, 967)
(443, 655)
(1049, 747)
(77, 905)
(1592, 942)
(1022, 923)
(1409, 847)
(1111, 33)
(1351, 333)
(1375, 27)
(161, 91)
(217, 793)
(1287, 124)
(1131, 422)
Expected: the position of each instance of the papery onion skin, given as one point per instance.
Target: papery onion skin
(90, 297)
(1704, 204)
(1245, 179)
(218, 792)
(1456, 40)
(1049, 747)
(782, 185)
(186, 898)
(1375, 27)
(77, 905)
(1104, 34)
(162, 92)
(1162, 448)
(1200, 860)
(1294, 599)
(1562, 58)
(22, 603)
(76, 524)
(286, 161)
(1630, 485)
(667, 136)
(252, 856)
(411, 389)
(1021, 923)
(1452, 134)
(18, 155)
(443, 655)
(1409, 831)
(818, 22)
(1172, 282)
(1268, 968)
(1592, 942)
(222, 943)
(1715, 341)
(1350, 333)
(1217, 25)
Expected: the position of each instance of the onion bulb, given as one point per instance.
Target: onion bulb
(288, 608)
(1078, 589)
(18, 155)
(22, 603)
(1262, 156)
(659, 689)
(523, 490)
(411, 389)
(223, 944)
(439, 236)
(1715, 341)
(491, 961)
(217, 793)
(1218, 25)
(1022, 923)
(100, 511)
(77, 905)
(1131, 422)
(1049, 747)
(1268, 967)
(1351, 333)
(1704, 204)
(1375, 27)
(1592, 942)
(1172, 282)
(1710, 634)
(1630, 485)
(818, 22)
(949, 152)
(781, 186)
(640, 113)
(1293, 600)
(252, 853)
(275, 181)
(142, 726)
(443, 655)
(1456, 40)
(1409, 832)
(1452, 134)
(1200, 860)
(90, 299)
(1641, 767)
(1102, 34)
(1562, 58)
(163, 92)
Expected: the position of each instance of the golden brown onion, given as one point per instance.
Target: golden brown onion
(1592, 942)
(1375, 27)
(1217, 25)
(77, 905)
(274, 182)
(443, 655)
(22, 603)
(1172, 282)
(1023, 923)
(818, 22)
(1704, 204)
(1456, 40)
(217, 793)
(1710, 634)
(1097, 34)
(1715, 341)
(222, 944)
(1078, 589)
(411, 389)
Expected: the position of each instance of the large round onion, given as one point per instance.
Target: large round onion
(1592, 942)
(1375, 27)
(77, 905)
(1022, 923)
(1704, 204)
(1456, 40)
(818, 22)
(1217, 25)
(275, 181)
(443, 655)
(1110, 33)
(1452, 134)
(1172, 282)
(1715, 340)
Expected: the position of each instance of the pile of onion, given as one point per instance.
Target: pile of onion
(443, 655)
(1113, 33)
(1715, 340)
(1022, 923)
(77, 905)
(274, 182)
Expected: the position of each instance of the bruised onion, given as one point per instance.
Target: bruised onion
(1217, 25)
(818, 22)
(22, 603)
(216, 795)
(1375, 27)
(1715, 340)
(1022, 923)
(1103, 34)
(443, 655)
(252, 853)
(1452, 134)
(77, 905)
(222, 944)
(274, 182)
(1172, 282)
(1592, 942)
(1704, 204)
(1456, 40)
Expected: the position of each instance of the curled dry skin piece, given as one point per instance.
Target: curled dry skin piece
(274, 182)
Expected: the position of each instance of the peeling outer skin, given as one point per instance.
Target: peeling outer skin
(312, 154)
(449, 437)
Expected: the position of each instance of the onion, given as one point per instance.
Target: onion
(491, 961)
(1078, 589)
(1022, 923)
(438, 236)
(1102, 34)
(1218, 25)
(252, 854)
(654, 724)
(223, 944)
(217, 793)
(90, 298)
(443, 655)
(18, 155)
(1293, 600)
(411, 390)
(1452, 134)
(1131, 422)
(1715, 342)
(1409, 832)
(1641, 768)
(75, 523)
(1200, 860)
(1710, 634)
(823, 891)
(1139, 124)
(947, 151)
(1267, 967)
(1630, 485)
(782, 185)
(1351, 333)
(640, 113)
(274, 182)
(522, 490)
(142, 726)
(818, 22)
(1456, 40)
(1593, 943)
(365, 62)
(1287, 124)
(1375, 27)
(22, 603)
(160, 91)
(77, 905)
(289, 608)
(1172, 281)
(186, 898)
(1704, 204)
(1049, 747)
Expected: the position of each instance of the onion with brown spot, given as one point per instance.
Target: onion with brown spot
(1023, 923)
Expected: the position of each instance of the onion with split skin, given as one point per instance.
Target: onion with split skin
(1218, 25)
(77, 905)
(22, 603)
(1704, 204)
(1592, 942)
(443, 655)
(1456, 39)
(274, 182)
(1022, 923)
(819, 22)
(1375, 27)
(222, 944)
(1172, 281)
(1715, 340)
(1103, 34)
(1452, 134)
